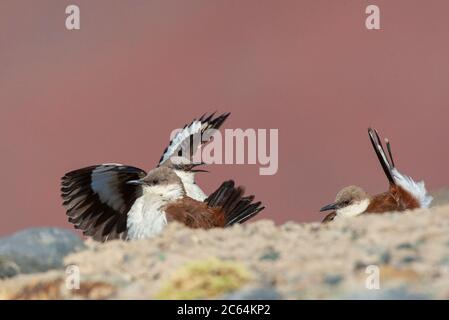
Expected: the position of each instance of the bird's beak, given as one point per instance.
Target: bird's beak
(332, 206)
(135, 182)
(194, 165)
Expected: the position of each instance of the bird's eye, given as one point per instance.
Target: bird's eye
(155, 181)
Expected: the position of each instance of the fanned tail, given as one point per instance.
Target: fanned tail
(416, 189)
(236, 207)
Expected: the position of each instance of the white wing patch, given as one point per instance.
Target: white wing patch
(417, 189)
(104, 183)
(193, 128)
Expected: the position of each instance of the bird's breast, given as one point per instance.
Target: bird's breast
(146, 218)
(353, 210)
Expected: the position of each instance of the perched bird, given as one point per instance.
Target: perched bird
(101, 200)
(197, 133)
(121, 202)
(403, 193)
(164, 199)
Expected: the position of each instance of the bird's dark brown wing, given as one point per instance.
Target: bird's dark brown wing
(97, 199)
(222, 208)
(384, 202)
(396, 199)
(194, 214)
(405, 200)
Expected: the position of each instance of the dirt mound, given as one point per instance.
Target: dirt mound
(389, 256)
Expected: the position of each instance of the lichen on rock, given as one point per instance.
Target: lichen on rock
(206, 278)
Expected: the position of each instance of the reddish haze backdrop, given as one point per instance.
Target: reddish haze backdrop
(113, 91)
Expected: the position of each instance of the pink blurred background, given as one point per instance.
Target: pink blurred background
(114, 90)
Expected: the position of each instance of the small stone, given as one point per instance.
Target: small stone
(162, 256)
(359, 265)
(385, 257)
(8, 268)
(40, 249)
(333, 279)
(404, 245)
(270, 254)
(410, 259)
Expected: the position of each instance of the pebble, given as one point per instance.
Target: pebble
(37, 250)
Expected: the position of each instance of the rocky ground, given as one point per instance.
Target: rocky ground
(409, 252)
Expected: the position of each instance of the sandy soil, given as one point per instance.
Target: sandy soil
(293, 261)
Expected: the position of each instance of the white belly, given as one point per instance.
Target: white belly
(145, 219)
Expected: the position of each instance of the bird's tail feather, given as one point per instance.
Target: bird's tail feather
(416, 189)
(387, 164)
(236, 207)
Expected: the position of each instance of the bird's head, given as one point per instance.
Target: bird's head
(163, 182)
(349, 202)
